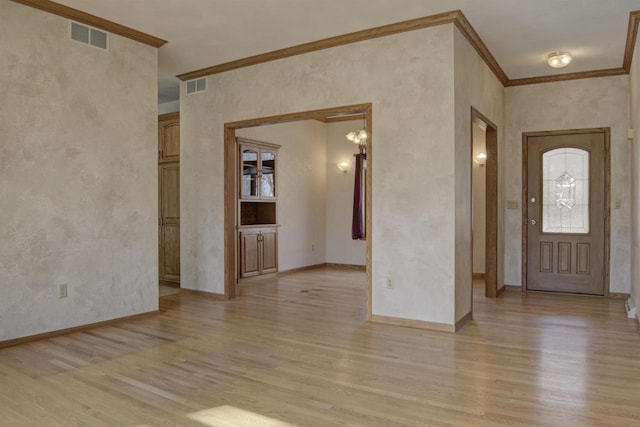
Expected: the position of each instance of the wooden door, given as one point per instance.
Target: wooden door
(169, 137)
(169, 179)
(567, 194)
(249, 253)
(269, 258)
(268, 173)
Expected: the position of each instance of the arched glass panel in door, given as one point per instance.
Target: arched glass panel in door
(565, 191)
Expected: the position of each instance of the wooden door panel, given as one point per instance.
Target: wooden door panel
(566, 207)
(170, 191)
(564, 257)
(249, 172)
(249, 254)
(269, 251)
(170, 255)
(582, 258)
(546, 257)
(169, 197)
(169, 141)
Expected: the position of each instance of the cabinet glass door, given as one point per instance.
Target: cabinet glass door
(268, 178)
(249, 184)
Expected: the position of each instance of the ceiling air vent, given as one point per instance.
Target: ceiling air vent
(88, 35)
(196, 85)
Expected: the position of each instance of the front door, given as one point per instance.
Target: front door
(567, 209)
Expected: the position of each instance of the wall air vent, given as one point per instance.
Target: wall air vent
(88, 35)
(196, 85)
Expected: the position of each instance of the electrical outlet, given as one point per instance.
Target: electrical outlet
(313, 248)
(618, 204)
(62, 290)
(389, 283)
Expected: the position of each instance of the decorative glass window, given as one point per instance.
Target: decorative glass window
(268, 178)
(565, 191)
(249, 172)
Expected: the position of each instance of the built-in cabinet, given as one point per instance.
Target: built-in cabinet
(259, 251)
(257, 203)
(169, 197)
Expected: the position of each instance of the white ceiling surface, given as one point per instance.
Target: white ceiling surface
(519, 33)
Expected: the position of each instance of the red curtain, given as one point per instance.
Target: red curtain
(357, 227)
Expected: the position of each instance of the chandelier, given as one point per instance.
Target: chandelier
(358, 137)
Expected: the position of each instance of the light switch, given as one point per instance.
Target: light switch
(512, 204)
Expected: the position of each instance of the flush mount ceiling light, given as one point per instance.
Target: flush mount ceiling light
(559, 59)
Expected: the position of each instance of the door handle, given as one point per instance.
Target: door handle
(532, 221)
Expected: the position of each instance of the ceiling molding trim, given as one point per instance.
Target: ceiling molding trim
(474, 39)
(568, 76)
(320, 114)
(93, 21)
(358, 36)
(632, 34)
(456, 17)
(348, 118)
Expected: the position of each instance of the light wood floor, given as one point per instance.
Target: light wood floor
(168, 290)
(297, 351)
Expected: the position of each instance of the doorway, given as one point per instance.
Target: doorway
(169, 203)
(565, 208)
(231, 238)
(484, 151)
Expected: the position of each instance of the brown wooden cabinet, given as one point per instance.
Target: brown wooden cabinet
(257, 201)
(258, 164)
(169, 197)
(259, 251)
(169, 137)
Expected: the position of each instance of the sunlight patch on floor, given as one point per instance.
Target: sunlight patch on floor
(227, 415)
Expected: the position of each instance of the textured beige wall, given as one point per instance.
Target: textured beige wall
(587, 103)
(635, 178)
(78, 176)
(341, 248)
(475, 86)
(408, 77)
(301, 189)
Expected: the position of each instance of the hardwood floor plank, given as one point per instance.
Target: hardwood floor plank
(296, 350)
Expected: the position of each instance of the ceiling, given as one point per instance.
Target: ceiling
(519, 33)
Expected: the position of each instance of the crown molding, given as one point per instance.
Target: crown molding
(632, 34)
(358, 36)
(567, 76)
(93, 21)
(474, 39)
(459, 20)
(335, 119)
(456, 17)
